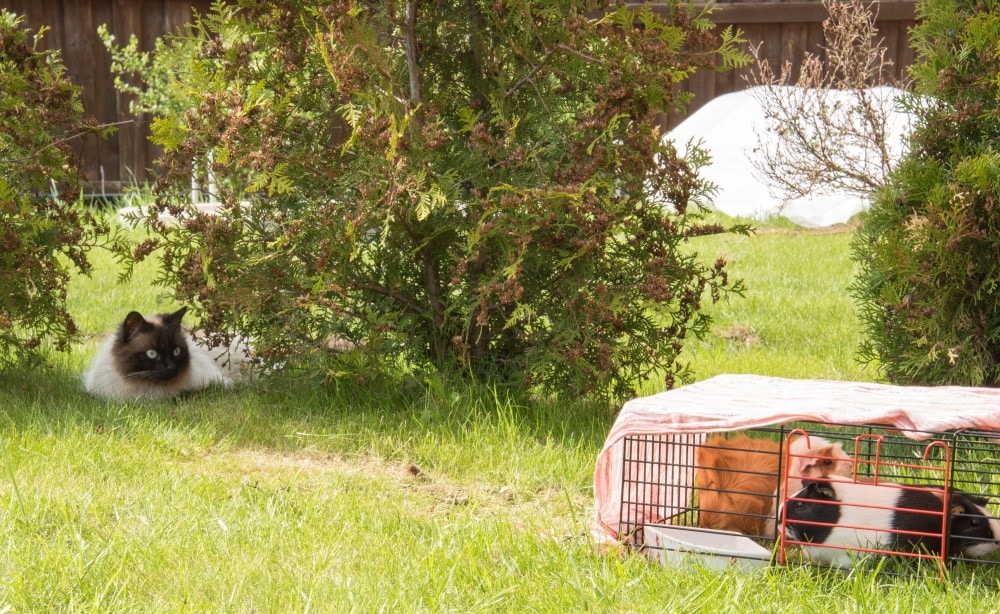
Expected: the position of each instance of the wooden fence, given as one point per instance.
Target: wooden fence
(122, 159)
(785, 31)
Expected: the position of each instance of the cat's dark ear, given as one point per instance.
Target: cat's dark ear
(133, 324)
(174, 319)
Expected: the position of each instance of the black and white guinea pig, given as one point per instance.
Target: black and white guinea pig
(863, 519)
(974, 532)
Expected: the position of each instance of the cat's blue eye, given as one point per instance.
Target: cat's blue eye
(177, 351)
(151, 354)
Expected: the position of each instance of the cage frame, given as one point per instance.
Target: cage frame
(672, 466)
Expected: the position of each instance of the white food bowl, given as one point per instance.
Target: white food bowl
(672, 545)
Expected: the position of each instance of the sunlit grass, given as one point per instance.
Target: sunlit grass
(283, 496)
(796, 318)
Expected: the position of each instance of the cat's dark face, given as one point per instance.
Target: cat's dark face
(152, 350)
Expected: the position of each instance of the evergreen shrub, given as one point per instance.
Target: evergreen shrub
(929, 249)
(44, 231)
(472, 187)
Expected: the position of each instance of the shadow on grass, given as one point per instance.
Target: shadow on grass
(284, 414)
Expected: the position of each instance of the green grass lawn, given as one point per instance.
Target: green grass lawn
(796, 318)
(280, 496)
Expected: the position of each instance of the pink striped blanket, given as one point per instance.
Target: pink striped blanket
(737, 402)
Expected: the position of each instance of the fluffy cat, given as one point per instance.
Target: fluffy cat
(154, 357)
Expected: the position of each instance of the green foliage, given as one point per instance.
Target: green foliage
(927, 251)
(161, 89)
(477, 187)
(43, 231)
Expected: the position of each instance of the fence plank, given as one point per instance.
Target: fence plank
(105, 98)
(77, 34)
(784, 30)
(131, 137)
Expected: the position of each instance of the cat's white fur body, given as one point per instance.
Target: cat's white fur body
(208, 366)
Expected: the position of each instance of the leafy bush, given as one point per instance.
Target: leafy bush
(468, 186)
(164, 86)
(43, 231)
(928, 250)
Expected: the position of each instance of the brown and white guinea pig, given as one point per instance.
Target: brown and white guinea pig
(737, 479)
(885, 516)
(809, 456)
(813, 457)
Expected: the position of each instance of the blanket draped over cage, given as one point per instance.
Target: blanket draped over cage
(737, 402)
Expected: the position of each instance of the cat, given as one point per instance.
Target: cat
(738, 479)
(155, 357)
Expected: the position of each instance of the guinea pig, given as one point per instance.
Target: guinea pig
(738, 483)
(815, 456)
(808, 457)
(859, 515)
(974, 532)
(736, 479)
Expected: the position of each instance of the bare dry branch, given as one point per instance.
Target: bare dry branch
(831, 123)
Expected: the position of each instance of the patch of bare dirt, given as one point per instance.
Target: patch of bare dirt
(441, 494)
(740, 334)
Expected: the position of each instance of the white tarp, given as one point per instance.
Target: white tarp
(730, 127)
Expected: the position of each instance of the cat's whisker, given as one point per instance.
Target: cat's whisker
(139, 375)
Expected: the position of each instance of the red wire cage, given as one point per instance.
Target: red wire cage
(859, 494)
